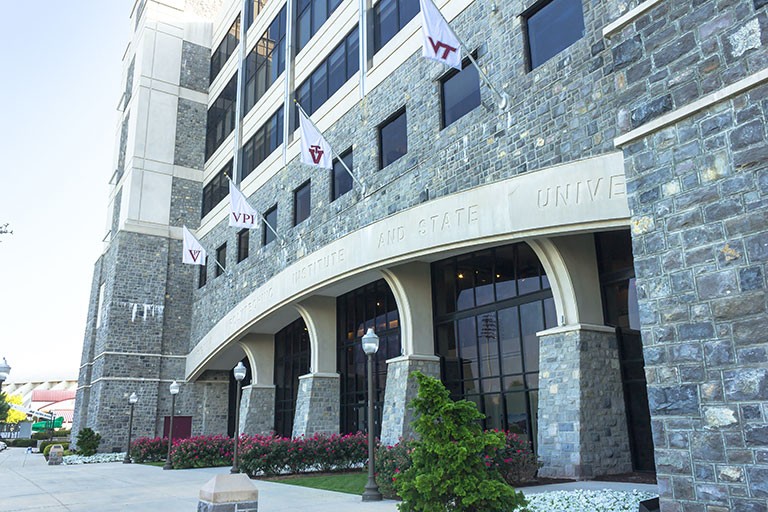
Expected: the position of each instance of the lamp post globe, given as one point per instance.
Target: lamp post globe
(174, 389)
(370, 347)
(131, 400)
(239, 371)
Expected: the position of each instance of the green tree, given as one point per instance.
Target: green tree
(4, 407)
(88, 442)
(452, 469)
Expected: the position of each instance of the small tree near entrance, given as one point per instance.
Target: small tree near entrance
(451, 468)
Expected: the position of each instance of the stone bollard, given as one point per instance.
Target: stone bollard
(56, 455)
(229, 493)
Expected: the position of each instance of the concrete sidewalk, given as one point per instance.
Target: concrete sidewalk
(27, 483)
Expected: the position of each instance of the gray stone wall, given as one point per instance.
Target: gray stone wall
(190, 134)
(397, 417)
(195, 67)
(697, 190)
(257, 410)
(582, 418)
(318, 407)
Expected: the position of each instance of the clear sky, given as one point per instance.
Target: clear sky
(61, 83)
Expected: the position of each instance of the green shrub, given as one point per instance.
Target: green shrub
(45, 447)
(516, 462)
(149, 449)
(21, 443)
(47, 434)
(390, 462)
(202, 452)
(87, 442)
(452, 461)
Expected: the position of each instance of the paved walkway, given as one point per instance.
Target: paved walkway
(27, 483)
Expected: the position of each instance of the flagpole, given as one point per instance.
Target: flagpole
(333, 153)
(260, 215)
(503, 97)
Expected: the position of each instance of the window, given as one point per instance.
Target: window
(225, 49)
(265, 62)
(202, 276)
(301, 203)
(221, 259)
(271, 217)
(551, 27)
(341, 181)
(243, 236)
(292, 355)
(311, 14)
(221, 118)
(330, 75)
(216, 189)
(460, 93)
(389, 17)
(263, 143)
(255, 8)
(393, 139)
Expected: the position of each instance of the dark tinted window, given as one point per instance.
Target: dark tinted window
(552, 27)
(265, 62)
(301, 203)
(394, 139)
(311, 14)
(216, 189)
(342, 181)
(221, 259)
(330, 75)
(202, 276)
(221, 118)
(291, 362)
(225, 49)
(460, 93)
(253, 11)
(389, 17)
(243, 236)
(266, 139)
(271, 217)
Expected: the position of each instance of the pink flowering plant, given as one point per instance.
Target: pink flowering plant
(202, 452)
(391, 461)
(149, 449)
(515, 461)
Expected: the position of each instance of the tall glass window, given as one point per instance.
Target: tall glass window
(266, 62)
(551, 27)
(302, 204)
(221, 118)
(372, 305)
(460, 93)
(291, 362)
(225, 49)
(389, 17)
(341, 181)
(216, 190)
(489, 305)
(266, 139)
(311, 14)
(271, 217)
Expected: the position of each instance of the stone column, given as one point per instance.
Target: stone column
(318, 405)
(582, 418)
(397, 417)
(257, 409)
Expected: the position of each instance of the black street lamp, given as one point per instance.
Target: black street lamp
(239, 372)
(174, 391)
(370, 346)
(131, 400)
(4, 371)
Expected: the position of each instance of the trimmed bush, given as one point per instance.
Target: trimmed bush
(516, 462)
(87, 442)
(21, 443)
(453, 459)
(149, 449)
(202, 452)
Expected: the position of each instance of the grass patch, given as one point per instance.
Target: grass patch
(350, 483)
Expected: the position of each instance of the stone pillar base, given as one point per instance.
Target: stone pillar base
(318, 405)
(257, 410)
(229, 493)
(397, 417)
(582, 418)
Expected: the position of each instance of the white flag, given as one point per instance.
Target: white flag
(315, 151)
(439, 41)
(241, 214)
(194, 254)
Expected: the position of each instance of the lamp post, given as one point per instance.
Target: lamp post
(174, 391)
(4, 371)
(370, 346)
(239, 372)
(131, 400)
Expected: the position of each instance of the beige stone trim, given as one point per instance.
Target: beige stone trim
(692, 108)
(576, 327)
(628, 17)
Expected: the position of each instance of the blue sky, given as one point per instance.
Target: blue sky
(61, 69)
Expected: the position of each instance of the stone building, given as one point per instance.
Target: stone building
(585, 260)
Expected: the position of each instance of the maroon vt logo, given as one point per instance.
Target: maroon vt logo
(437, 45)
(316, 152)
(195, 254)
